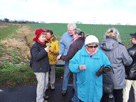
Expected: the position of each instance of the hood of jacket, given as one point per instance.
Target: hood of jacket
(109, 44)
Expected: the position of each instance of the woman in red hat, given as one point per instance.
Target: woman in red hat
(40, 64)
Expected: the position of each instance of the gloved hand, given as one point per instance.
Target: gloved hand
(107, 70)
(100, 71)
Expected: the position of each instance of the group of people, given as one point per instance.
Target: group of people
(94, 66)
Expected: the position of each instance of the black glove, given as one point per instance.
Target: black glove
(107, 70)
(100, 71)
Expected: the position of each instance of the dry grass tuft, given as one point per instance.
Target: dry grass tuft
(26, 33)
(22, 42)
(14, 43)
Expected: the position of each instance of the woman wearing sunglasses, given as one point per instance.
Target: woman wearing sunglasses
(86, 63)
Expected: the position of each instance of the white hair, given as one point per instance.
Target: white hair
(70, 24)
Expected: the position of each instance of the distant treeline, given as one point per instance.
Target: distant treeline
(6, 20)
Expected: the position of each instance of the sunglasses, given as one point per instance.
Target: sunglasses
(92, 46)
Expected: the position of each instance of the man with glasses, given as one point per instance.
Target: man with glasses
(64, 44)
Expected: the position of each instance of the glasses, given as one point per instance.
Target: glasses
(92, 46)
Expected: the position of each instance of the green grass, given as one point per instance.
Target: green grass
(18, 74)
(97, 30)
(6, 32)
(58, 28)
(21, 74)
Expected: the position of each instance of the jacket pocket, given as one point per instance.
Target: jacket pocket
(82, 89)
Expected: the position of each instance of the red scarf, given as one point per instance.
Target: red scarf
(43, 43)
(76, 38)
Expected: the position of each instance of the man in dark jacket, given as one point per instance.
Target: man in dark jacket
(131, 70)
(40, 64)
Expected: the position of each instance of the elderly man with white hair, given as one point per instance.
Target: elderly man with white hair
(64, 44)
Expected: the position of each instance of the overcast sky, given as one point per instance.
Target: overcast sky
(65, 11)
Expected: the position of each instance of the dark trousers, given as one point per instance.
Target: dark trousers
(118, 96)
(105, 98)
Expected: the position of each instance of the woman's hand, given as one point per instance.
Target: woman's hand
(82, 67)
(46, 49)
(58, 57)
(52, 51)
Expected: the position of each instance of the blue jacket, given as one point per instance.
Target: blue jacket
(90, 87)
(64, 43)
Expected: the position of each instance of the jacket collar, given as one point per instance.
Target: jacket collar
(50, 40)
(85, 54)
(112, 38)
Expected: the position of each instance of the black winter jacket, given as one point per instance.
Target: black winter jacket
(40, 62)
(131, 70)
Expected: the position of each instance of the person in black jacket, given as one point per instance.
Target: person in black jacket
(40, 63)
(131, 70)
(76, 45)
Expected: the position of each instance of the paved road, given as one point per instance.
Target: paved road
(28, 94)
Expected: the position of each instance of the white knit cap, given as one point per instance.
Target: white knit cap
(91, 39)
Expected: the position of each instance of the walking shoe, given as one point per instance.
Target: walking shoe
(63, 92)
(46, 97)
(52, 87)
(45, 100)
(110, 95)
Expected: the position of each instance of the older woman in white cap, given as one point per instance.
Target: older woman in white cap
(86, 63)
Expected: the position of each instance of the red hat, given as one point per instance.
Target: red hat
(38, 33)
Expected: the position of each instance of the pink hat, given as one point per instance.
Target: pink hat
(38, 33)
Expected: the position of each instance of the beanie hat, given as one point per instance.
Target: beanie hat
(91, 39)
(38, 32)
